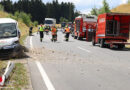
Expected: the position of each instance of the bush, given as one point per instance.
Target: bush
(62, 19)
(26, 18)
(1, 8)
(35, 23)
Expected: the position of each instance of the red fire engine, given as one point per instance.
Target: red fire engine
(112, 30)
(84, 26)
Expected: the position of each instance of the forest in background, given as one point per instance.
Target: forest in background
(38, 10)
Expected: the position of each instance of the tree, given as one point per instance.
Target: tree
(39, 11)
(62, 19)
(105, 8)
(77, 13)
(128, 1)
(94, 11)
(1, 7)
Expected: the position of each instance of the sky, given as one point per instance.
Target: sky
(85, 6)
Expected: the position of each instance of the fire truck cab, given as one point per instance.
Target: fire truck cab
(112, 30)
(84, 26)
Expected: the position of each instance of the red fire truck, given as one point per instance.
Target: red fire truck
(84, 26)
(112, 30)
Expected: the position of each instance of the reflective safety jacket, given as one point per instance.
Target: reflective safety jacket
(53, 31)
(41, 28)
(67, 30)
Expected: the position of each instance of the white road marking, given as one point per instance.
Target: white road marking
(44, 76)
(31, 44)
(84, 49)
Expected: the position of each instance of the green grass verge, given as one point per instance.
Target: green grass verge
(19, 78)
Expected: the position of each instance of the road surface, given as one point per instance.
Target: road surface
(76, 65)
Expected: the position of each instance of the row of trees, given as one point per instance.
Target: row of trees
(39, 11)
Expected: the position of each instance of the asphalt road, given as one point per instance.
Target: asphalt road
(77, 65)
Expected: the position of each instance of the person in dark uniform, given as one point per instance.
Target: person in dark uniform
(30, 31)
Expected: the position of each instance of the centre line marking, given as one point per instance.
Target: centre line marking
(44, 76)
(84, 49)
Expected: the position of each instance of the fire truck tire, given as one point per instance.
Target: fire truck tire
(121, 46)
(93, 42)
(79, 38)
(102, 43)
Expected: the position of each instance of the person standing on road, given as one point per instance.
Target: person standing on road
(30, 31)
(54, 34)
(41, 29)
(67, 32)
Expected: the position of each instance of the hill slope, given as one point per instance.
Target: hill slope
(124, 8)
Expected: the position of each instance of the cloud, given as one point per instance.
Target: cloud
(86, 11)
(124, 1)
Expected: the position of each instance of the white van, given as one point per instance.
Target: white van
(9, 37)
(49, 22)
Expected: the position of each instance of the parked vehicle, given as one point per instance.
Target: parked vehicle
(84, 26)
(112, 30)
(9, 38)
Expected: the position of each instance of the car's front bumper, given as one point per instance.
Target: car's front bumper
(9, 51)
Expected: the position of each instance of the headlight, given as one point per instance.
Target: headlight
(11, 46)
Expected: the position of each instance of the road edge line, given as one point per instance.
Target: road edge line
(44, 76)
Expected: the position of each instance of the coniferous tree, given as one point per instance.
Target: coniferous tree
(39, 11)
(105, 8)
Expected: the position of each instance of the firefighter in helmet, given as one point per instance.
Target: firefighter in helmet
(67, 33)
(54, 34)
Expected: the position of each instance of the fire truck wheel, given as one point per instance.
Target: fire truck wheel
(93, 42)
(102, 43)
(79, 38)
(121, 46)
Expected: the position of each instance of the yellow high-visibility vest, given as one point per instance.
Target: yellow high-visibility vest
(41, 28)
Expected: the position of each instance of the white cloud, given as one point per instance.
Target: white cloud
(124, 1)
(86, 11)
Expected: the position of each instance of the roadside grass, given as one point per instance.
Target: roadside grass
(19, 79)
(2, 65)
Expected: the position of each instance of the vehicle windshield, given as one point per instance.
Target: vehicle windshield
(8, 30)
(48, 22)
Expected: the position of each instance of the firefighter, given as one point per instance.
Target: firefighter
(54, 34)
(41, 30)
(47, 29)
(67, 32)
